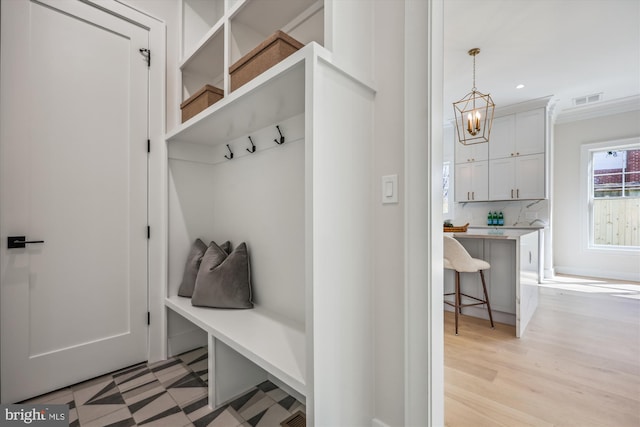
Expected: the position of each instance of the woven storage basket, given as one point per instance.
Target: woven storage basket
(271, 51)
(200, 100)
(460, 229)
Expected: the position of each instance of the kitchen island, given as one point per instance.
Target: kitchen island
(515, 256)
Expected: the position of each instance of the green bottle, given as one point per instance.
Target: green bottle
(494, 218)
(500, 218)
(489, 219)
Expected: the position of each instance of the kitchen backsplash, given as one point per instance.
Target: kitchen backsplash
(521, 213)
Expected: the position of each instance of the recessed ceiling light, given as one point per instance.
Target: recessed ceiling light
(520, 86)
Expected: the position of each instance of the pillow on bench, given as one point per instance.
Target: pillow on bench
(192, 266)
(223, 281)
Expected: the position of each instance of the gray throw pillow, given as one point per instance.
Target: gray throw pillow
(226, 284)
(198, 249)
(191, 268)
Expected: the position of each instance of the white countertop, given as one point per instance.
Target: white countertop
(493, 233)
(509, 227)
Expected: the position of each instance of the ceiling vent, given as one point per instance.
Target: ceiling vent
(588, 99)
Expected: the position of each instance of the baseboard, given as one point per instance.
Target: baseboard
(549, 273)
(377, 423)
(596, 273)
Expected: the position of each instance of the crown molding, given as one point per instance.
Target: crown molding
(599, 109)
(520, 107)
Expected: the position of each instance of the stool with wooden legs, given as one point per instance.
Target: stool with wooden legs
(458, 259)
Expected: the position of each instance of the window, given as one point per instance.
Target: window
(614, 196)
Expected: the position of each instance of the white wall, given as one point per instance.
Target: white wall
(570, 255)
(388, 219)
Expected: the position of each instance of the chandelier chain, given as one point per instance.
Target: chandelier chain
(474, 73)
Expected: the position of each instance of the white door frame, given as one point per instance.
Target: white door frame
(157, 192)
(424, 338)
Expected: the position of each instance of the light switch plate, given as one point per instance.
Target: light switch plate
(390, 189)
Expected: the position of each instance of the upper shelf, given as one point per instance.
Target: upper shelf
(249, 22)
(198, 18)
(209, 49)
(275, 95)
(253, 21)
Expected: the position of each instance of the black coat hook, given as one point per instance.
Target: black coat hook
(253, 146)
(230, 156)
(281, 137)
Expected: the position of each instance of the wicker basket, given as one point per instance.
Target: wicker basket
(200, 100)
(460, 229)
(264, 56)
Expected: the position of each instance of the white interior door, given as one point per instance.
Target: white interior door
(73, 173)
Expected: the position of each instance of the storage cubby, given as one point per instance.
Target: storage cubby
(302, 207)
(215, 37)
(206, 65)
(198, 18)
(254, 21)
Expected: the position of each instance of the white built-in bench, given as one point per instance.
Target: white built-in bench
(274, 344)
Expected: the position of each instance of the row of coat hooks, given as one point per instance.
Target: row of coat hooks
(278, 141)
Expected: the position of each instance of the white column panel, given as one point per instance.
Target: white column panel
(348, 33)
(342, 318)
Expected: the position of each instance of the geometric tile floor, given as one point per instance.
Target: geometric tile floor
(171, 393)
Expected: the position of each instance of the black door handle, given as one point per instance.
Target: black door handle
(17, 242)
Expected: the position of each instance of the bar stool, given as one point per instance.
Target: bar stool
(458, 259)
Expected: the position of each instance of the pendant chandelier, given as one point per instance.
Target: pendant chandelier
(474, 113)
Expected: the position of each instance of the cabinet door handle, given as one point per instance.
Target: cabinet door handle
(468, 196)
(473, 195)
(512, 193)
(518, 193)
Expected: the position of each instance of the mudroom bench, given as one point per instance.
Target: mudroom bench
(274, 346)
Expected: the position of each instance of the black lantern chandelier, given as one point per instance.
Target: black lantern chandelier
(474, 113)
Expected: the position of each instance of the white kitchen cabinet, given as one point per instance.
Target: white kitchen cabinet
(518, 134)
(530, 132)
(516, 153)
(521, 177)
(472, 183)
(502, 138)
(470, 153)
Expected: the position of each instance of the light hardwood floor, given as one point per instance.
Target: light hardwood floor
(577, 365)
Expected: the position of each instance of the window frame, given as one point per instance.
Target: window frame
(587, 190)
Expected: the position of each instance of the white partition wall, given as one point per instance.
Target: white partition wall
(342, 282)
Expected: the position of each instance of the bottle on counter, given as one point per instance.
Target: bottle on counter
(500, 218)
(494, 218)
(489, 219)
